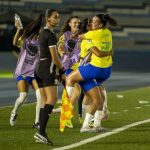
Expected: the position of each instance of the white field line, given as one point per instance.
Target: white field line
(100, 136)
(137, 107)
(113, 113)
(125, 110)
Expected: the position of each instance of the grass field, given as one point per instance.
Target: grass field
(123, 111)
(6, 75)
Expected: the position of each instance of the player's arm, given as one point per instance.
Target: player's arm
(60, 46)
(100, 53)
(87, 36)
(17, 35)
(96, 51)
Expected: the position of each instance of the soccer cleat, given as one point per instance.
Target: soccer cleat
(91, 123)
(85, 129)
(99, 129)
(13, 119)
(69, 124)
(39, 138)
(36, 125)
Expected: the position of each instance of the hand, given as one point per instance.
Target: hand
(17, 24)
(61, 77)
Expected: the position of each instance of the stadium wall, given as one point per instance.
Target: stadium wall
(124, 61)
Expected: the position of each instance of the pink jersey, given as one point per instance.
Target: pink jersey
(72, 51)
(28, 58)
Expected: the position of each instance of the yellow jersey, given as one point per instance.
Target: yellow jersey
(102, 39)
(85, 47)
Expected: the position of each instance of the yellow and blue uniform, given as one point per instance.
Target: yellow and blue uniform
(85, 47)
(99, 68)
(102, 39)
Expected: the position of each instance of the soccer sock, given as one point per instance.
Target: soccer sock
(105, 101)
(97, 118)
(38, 105)
(44, 117)
(88, 118)
(41, 111)
(85, 109)
(70, 91)
(80, 103)
(19, 101)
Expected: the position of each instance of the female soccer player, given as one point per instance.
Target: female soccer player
(99, 69)
(69, 50)
(85, 57)
(24, 74)
(46, 72)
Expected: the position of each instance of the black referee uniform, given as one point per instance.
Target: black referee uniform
(46, 70)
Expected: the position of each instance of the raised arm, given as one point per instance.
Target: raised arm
(17, 35)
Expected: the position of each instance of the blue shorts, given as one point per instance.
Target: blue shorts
(93, 76)
(68, 71)
(27, 79)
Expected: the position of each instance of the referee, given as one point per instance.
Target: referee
(47, 71)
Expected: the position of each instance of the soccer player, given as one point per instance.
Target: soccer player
(28, 42)
(99, 69)
(47, 71)
(69, 50)
(85, 57)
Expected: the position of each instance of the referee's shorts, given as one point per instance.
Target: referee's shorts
(45, 74)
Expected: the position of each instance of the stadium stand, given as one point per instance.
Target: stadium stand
(133, 16)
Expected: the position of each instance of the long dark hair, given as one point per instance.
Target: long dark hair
(105, 18)
(33, 28)
(66, 26)
(85, 24)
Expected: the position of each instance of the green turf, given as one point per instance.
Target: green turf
(20, 137)
(6, 75)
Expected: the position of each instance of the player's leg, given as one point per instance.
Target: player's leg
(23, 89)
(38, 104)
(95, 104)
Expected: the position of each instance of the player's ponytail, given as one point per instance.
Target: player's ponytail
(105, 18)
(33, 28)
(110, 20)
